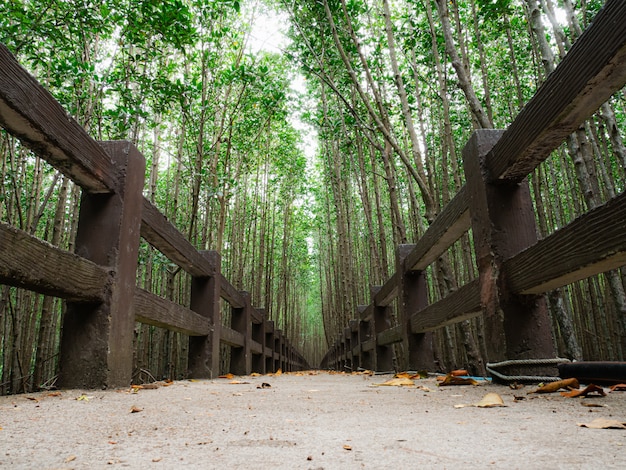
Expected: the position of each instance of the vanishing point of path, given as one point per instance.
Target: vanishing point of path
(320, 421)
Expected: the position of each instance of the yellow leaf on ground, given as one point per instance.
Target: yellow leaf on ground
(491, 400)
(255, 374)
(555, 386)
(604, 423)
(400, 382)
(237, 382)
(226, 376)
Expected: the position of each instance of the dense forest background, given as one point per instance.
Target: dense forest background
(305, 190)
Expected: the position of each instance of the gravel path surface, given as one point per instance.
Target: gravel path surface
(319, 421)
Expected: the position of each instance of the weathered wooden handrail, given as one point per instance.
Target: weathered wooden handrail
(98, 282)
(495, 162)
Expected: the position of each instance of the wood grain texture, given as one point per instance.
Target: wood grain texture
(447, 228)
(593, 243)
(231, 294)
(30, 263)
(390, 336)
(151, 309)
(232, 337)
(165, 237)
(368, 345)
(388, 292)
(255, 347)
(365, 312)
(460, 305)
(29, 112)
(591, 72)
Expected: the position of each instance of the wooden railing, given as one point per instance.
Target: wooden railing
(514, 268)
(98, 281)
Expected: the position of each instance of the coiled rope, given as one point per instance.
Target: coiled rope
(491, 368)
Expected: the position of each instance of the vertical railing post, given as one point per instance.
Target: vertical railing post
(269, 347)
(241, 321)
(365, 334)
(503, 224)
(382, 321)
(97, 339)
(354, 343)
(258, 335)
(412, 297)
(347, 336)
(278, 348)
(204, 351)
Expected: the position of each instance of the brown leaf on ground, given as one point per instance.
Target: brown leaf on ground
(347, 447)
(604, 423)
(556, 386)
(71, 458)
(402, 375)
(255, 374)
(454, 380)
(399, 382)
(618, 388)
(491, 400)
(238, 382)
(135, 409)
(589, 389)
(226, 376)
(458, 372)
(592, 405)
(54, 394)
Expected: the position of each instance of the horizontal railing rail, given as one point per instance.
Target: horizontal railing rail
(98, 281)
(514, 268)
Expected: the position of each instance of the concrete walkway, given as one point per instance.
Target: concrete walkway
(319, 421)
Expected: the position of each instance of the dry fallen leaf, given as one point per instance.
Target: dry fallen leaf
(255, 374)
(238, 382)
(604, 423)
(347, 447)
(400, 382)
(455, 380)
(54, 394)
(83, 397)
(589, 389)
(592, 405)
(618, 388)
(135, 409)
(227, 376)
(71, 458)
(556, 386)
(458, 372)
(491, 400)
